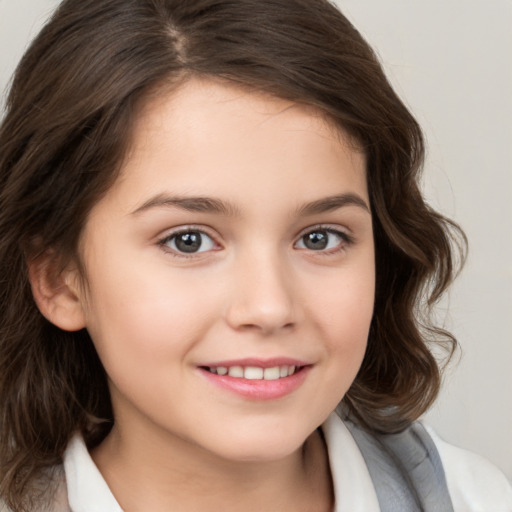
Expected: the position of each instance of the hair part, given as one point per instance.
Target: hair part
(67, 127)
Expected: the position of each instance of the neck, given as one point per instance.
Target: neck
(171, 474)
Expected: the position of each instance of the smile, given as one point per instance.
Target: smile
(255, 372)
(257, 379)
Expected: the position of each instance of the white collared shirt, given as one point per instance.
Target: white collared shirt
(475, 485)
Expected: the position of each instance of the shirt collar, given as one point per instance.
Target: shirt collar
(353, 488)
(87, 489)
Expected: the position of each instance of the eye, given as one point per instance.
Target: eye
(189, 242)
(322, 240)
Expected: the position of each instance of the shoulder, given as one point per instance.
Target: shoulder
(473, 482)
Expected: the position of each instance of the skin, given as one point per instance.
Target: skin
(253, 290)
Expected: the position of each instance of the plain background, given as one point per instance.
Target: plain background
(450, 61)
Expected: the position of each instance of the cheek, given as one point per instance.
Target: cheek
(345, 305)
(147, 315)
(344, 311)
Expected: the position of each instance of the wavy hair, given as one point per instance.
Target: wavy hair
(66, 129)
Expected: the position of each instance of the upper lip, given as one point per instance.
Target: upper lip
(258, 362)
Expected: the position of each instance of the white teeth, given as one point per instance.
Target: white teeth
(254, 372)
(236, 371)
(271, 373)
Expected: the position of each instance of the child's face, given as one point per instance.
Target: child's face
(238, 235)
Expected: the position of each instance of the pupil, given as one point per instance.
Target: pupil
(188, 242)
(316, 241)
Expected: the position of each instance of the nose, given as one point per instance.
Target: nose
(262, 297)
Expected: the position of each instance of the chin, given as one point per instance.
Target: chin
(261, 445)
(258, 453)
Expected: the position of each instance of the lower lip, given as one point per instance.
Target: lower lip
(259, 389)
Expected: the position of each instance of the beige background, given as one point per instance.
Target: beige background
(450, 61)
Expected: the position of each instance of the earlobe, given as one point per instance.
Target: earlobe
(56, 292)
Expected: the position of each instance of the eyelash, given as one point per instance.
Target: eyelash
(345, 241)
(186, 230)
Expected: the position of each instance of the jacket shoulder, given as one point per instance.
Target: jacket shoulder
(475, 484)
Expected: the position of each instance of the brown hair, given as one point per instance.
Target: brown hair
(66, 129)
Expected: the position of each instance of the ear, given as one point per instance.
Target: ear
(57, 292)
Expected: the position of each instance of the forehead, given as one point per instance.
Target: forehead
(215, 138)
(198, 98)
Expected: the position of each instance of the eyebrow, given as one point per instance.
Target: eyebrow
(328, 204)
(213, 205)
(191, 204)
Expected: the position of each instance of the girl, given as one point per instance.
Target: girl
(213, 238)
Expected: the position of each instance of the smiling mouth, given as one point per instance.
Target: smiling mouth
(254, 372)
(256, 379)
